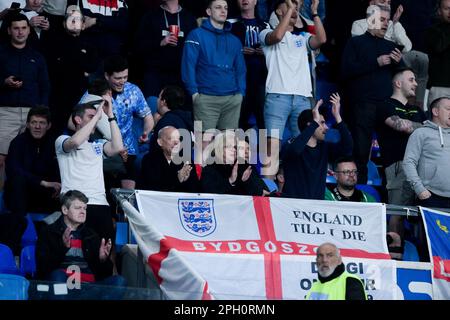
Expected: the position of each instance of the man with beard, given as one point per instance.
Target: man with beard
(396, 120)
(334, 282)
(346, 176)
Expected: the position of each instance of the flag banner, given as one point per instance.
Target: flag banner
(378, 276)
(207, 246)
(102, 7)
(437, 227)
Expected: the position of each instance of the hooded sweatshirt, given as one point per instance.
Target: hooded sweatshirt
(426, 162)
(213, 62)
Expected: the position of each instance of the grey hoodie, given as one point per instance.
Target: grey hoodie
(427, 160)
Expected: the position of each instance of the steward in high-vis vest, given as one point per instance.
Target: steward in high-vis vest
(334, 282)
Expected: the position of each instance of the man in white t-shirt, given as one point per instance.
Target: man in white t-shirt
(81, 162)
(288, 84)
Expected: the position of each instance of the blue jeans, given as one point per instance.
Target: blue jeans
(280, 109)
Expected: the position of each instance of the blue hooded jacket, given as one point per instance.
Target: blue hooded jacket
(213, 62)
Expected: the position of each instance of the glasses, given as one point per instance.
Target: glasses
(348, 172)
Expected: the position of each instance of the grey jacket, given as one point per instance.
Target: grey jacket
(427, 160)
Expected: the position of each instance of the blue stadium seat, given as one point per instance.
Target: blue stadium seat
(7, 261)
(373, 176)
(410, 252)
(121, 235)
(29, 237)
(13, 287)
(370, 190)
(271, 185)
(28, 261)
(38, 216)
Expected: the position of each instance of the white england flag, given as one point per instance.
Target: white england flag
(205, 246)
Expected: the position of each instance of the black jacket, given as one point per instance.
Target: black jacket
(149, 36)
(437, 41)
(50, 250)
(109, 34)
(180, 119)
(68, 59)
(30, 66)
(215, 180)
(365, 79)
(305, 168)
(158, 175)
(33, 159)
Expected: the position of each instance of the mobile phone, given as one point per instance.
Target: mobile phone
(15, 5)
(400, 47)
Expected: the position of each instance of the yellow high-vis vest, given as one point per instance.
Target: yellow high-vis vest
(331, 290)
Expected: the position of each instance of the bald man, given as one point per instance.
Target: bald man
(334, 282)
(160, 172)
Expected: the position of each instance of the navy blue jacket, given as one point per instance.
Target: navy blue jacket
(213, 62)
(30, 66)
(305, 168)
(109, 34)
(366, 80)
(150, 34)
(33, 159)
(180, 119)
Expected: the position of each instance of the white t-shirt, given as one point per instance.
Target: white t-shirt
(287, 64)
(82, 169)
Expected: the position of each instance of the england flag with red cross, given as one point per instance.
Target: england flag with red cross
(207, 246)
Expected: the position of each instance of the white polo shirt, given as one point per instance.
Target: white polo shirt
(82, 169)
(287, 64)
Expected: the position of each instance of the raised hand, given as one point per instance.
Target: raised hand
(290, 4)
(234, 174)
(335, 100)
(247, 173)
(398, 14)
(314, 6)
(66, 237)
(105, 249)
(315, 111)
(107, 105)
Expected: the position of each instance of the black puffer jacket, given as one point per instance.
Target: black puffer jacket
(50, 250)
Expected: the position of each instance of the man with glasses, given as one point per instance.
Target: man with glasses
(346, 176)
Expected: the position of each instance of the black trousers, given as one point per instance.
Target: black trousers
(361, 120)
(22, 197)
(99, 218)
(253, 103)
